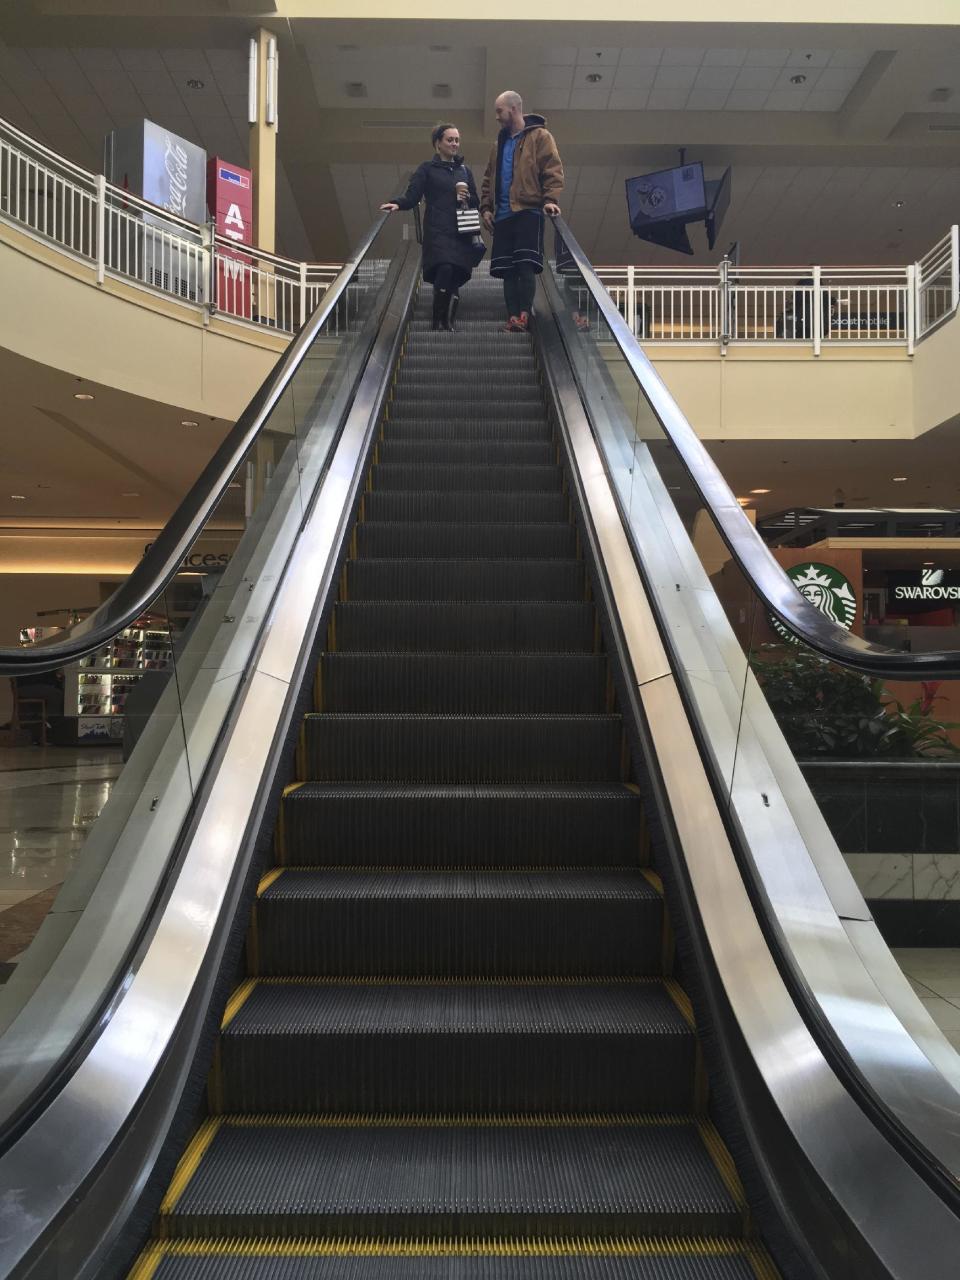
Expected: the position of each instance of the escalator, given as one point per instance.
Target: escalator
(459, 1021)
(444, 936)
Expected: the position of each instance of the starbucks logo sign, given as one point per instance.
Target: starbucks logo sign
(825, 587)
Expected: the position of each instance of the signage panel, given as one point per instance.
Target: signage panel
(230, 199)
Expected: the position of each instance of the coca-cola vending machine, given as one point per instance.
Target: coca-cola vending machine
(230, 199)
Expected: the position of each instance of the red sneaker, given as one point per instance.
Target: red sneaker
(514, 325)
(524, 320)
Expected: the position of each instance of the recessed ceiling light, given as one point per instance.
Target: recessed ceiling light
(82, 395)
(196, 84)
(759, 490)
(189, 422)
(19, 497)
(129, 495)
(927, 564)
(744, 502)
(594, 77)
(898, 204)
(899, 479)
(799, 79)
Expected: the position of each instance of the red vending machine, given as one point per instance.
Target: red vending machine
(230, 200)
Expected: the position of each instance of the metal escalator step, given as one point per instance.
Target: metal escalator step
(402, 1048)
(461, 453)
(397, 626)
(453, 407)
(463, 683)
(480, 429)
(509, 363)
(376, 747)
(459, 924)
(450, 479)
(524, 383)
(613, 1259)
(414, 504)
(448, 539)
(425, 579)
(414, 1180)
(368, 824)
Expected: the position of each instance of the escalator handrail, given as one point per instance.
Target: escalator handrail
(164, 558)
(767, 578)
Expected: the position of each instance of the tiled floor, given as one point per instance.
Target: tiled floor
(49, 799)
(934, 974)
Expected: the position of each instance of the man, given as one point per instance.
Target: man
(524, 177)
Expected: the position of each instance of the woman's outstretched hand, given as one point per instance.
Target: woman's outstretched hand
(389, 207)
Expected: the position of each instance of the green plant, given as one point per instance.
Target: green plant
(825, 710)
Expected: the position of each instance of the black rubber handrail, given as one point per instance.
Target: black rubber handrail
(751, 554)
(162, 562)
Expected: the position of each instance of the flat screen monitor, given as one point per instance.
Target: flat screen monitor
(669, 193)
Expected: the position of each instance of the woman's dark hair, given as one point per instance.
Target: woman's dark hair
(438, 133)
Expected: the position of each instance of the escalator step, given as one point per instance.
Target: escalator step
(274, 1260)
(450, 539)
(463, 683)
(465, 626)
(510, 361)
(493, 748)
(443, 429)
(420, 1179)
(472, 407)
(524, 385)
(365, 824)
(459, 924)
(462, 453)
(406, 1048)
(451, 479)
(371, 579)
(412, 504)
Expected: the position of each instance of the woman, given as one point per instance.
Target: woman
(448, 256)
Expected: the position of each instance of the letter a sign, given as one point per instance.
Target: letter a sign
(233, 223)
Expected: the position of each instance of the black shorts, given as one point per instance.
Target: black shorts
(517, 244)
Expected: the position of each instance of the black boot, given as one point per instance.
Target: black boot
(439, 309)
(452, 304)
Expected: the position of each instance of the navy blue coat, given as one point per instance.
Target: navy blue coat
(435, 182)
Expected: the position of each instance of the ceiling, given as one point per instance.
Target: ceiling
(842, 139)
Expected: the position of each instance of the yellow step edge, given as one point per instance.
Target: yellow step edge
(378, 980)
(723, 1161)
(268, 878)
(189, 1163)
(681, 1000)
(237, 1001)
(440, 1247)
(547, 1120)
(366, 869)
(654, 878)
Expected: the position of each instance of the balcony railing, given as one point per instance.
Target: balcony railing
(126, 237)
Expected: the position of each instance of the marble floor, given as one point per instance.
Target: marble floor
(49, 799)
(934, 974)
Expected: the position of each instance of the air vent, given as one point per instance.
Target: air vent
(441, 91)
(941, 95)
(356, 89)
(944, 128)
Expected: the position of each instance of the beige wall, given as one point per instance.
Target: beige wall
(873, 12)
(936, 382)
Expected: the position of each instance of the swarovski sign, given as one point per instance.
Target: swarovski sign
(931, 587)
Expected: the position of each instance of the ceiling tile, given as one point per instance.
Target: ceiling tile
(667, 99)
(766, 57)
(559, 56)
(592, 99)
(140, 59)
(555, 77)
(675, 78)
(724, 57)
(682, 57)
(716, 78)
(153, 81)
(837, 80)
(598, 55)
(185, 61)
(763, 78)
(746, 100)
(707, 100)
(634, 78)
(809, 57)
(640, 57)
(782, 100)
(856, 59)
(629, 99)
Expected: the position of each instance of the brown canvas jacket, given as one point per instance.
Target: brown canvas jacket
(537, 169)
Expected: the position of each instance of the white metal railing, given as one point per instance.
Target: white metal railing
(125, 236)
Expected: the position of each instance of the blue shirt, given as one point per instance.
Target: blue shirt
(506, 178)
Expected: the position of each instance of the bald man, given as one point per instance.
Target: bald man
(523, 181)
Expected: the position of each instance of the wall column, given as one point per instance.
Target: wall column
(263, 139)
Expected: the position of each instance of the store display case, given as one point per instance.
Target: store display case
(96, 687)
